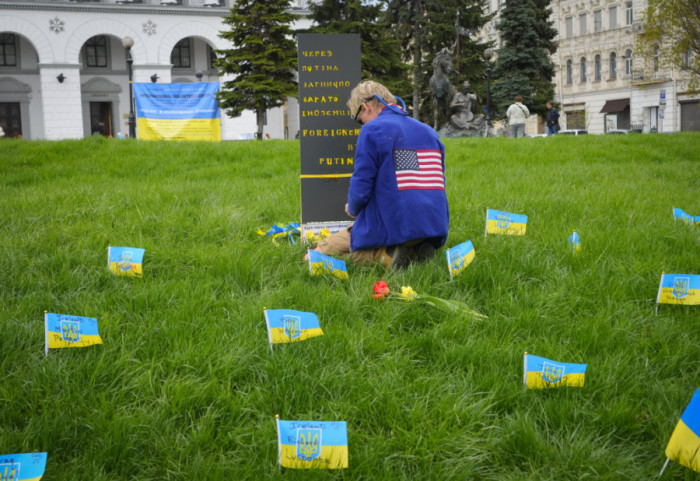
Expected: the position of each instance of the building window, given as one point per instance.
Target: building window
(685, 60)
(612, 17)
(583, 69)
(582, 19)
(8, 50)
(613, 65)
(598, 21)
(212, 57)
(629, 16)
(569, 27)
(569, 72)
(180, 56)
(628, 62)
(597, 67)
(96, 52)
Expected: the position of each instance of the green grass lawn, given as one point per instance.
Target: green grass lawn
(185, 386)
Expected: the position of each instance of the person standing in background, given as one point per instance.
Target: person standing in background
(552, 119)
(517, 114)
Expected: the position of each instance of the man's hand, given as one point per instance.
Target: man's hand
(348, 212)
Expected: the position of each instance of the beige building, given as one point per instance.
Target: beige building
(601, 81)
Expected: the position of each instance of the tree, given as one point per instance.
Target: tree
(263, 58)
(381, 57)
(424, 27)
(524, 66)
(673, 27)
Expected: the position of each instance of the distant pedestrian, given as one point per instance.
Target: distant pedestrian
(517, 115)
(2, 132)
(552, 119)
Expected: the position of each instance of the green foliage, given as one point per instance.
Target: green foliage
(424, 27)
(185, 386)
(673, 26)
(524, 66)
(381, 56)
(262, 60)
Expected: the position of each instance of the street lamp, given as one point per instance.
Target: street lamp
(128, 42)
(488, 55)
(199, 75)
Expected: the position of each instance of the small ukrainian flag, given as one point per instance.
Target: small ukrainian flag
(22, 467)
(323, 264)
(685, 217)
(62, 330)
(459, 257)
(684, 445)
(500, 222)
(312, 444)
(287, 325)
(125, 261)
(541, 373)
(679, 289)
(575, 243)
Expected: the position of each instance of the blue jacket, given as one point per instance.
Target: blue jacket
(394, 203)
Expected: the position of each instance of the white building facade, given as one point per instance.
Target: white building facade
(63, 67)
(601, 80)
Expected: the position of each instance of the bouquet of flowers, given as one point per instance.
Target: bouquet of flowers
(314, 239)
(407, 294)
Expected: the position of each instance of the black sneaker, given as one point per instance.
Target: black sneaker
(394, 257)
(424, 252)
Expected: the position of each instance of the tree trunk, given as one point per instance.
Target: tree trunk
(417, 72)
(260, 114)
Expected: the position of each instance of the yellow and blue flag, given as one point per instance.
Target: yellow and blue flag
(323, 264)
(543, 373)
(679, 289)
(459, 257)
(575, 243)
(22, 467)
(70, 331)
(685, 217)
(287, 325)
(312, 444)
(684, 445)
(125, 261)
(500, 222)
(277, 231)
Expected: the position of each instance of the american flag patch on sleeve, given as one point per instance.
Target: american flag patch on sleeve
(419, 169)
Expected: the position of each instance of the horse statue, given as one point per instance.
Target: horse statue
(440, 87)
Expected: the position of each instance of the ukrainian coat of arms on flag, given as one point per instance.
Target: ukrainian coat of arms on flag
(684, 445)
(541, 373)
(506, 223)
(679, 289)
(323, 264)
(63, 330)
(22, 467)
(125, 261)
(312, 444)
(459, 257)
(287, 325)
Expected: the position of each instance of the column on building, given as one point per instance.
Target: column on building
(61, 100)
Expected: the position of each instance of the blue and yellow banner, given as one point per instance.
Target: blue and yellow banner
(323, 264)
(679, 289)
(575, 243)
(685, 217)
(312, 445)
(684, 445)
(63, 330)
(541, 373)
(22, 467)
(287, 325)
(125, 261)
(459, 257)
(178, 111)
(500, 222)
